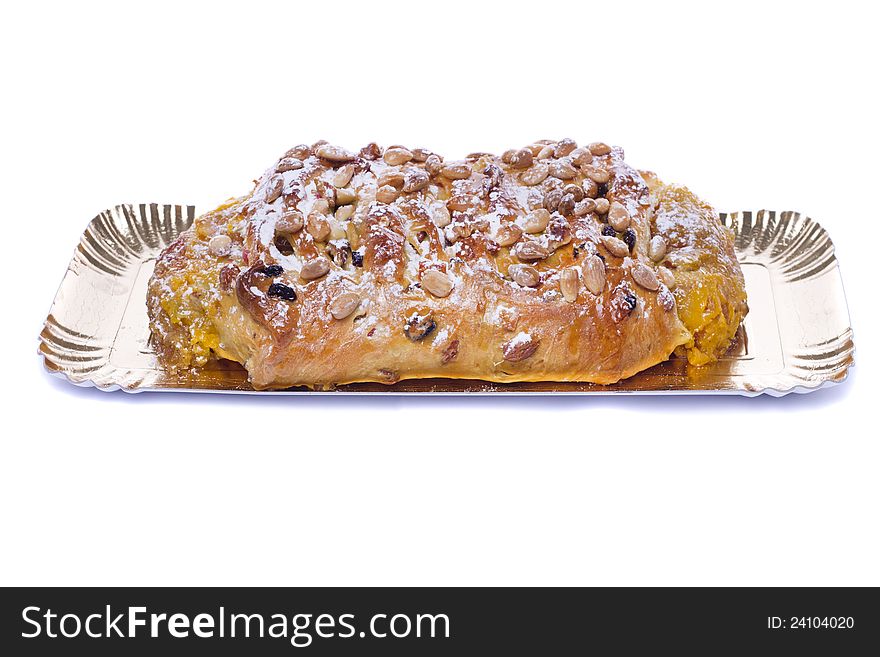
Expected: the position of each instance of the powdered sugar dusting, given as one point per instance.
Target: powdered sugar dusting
(521, 338)
(453, 217)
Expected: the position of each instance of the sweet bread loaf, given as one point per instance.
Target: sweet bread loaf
(552, 262)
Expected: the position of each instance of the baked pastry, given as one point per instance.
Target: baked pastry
(552, 262)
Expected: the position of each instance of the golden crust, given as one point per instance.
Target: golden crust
(391, 265)
(710, 290)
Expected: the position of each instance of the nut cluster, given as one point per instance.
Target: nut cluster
(333, 209)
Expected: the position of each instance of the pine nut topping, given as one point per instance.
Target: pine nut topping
(289, 164)
(337, 232)
(596, 174)
(564, 147)
(645, 276)
(618, 217)
(345, 197)
(415, 180)
(386, 194)
(576, 191)
(433, 165)
(371, 151)
(517, 210)
(315, 269)
(344, 212)
(508, 234)
(591, 189)
(536, 221)
(532, 251)
(353, 237)
(396, 156)
(334, 154)
(393, 177)
(570, 284)
(657, 248)
(317, 226)
(343, 176)
(562, 169)
(440, 216)
(666, 277)
(522, 159)
(545, 153)
(300, 152)
(552, 199)
(290, 222)
(436, 282)
(594, 274)
(220, 245)
(535, 175)
(421, 154)
(566, 205)
(585, 207)
(558, 233)
(322, 206)
(615, 246)
(274, 190)
(344, 305)
(524, 275)
(456, 171)
(581, 156)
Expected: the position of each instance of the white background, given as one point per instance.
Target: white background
(764, 105)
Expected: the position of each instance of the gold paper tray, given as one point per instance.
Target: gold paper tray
(796, 337)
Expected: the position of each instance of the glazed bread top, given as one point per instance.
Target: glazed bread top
(551, 262)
